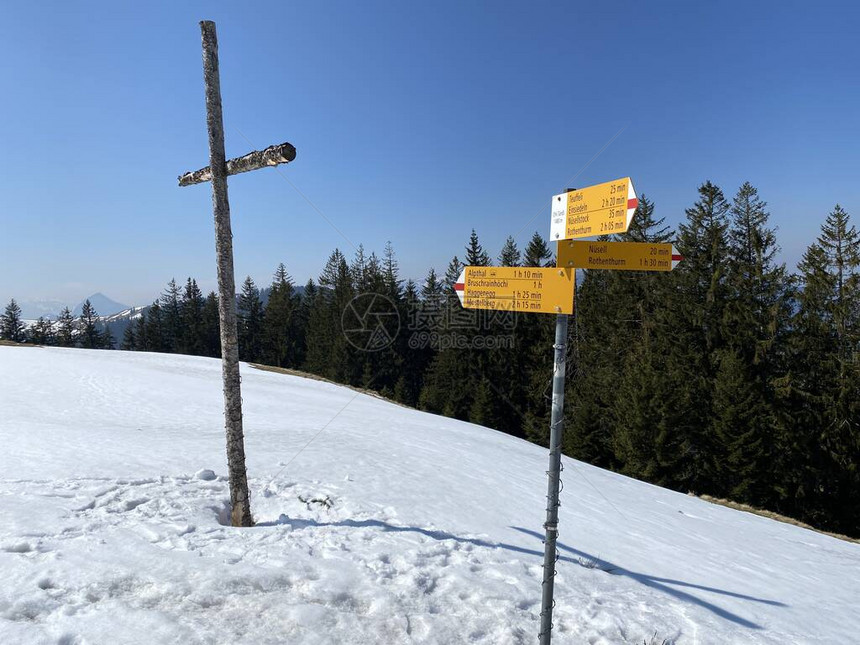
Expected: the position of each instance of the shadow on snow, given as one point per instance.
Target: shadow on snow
(660, 584)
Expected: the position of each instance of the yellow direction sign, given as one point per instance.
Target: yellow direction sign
(545, 290)
(595, 210)
(619, 256)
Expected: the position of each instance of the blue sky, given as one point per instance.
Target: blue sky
(414, 122)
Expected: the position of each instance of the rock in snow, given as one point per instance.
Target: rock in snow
(432, 533)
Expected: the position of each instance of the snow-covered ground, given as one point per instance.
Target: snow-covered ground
(431, 532)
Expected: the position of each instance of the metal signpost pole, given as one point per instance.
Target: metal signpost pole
(554, 473)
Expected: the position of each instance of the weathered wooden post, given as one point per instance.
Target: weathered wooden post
(217, 173)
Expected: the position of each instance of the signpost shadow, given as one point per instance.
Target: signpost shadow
(660, 584)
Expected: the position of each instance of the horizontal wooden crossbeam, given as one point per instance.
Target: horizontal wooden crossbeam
(271, 156)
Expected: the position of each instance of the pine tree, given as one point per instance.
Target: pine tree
(65, 329)
(592, 365)
(443, 390)
(391, 274)
(141, 342)
(304, 301)
(452, 274)
(90, 336)
(532, 354)
(432, 287)
(108, 340)
(171, 317)
(42, 332)
(191, 333)
(156, 336)
(211, 330)
(129, 339)
(475, 254)
(645, 227)
(755, 323)
(11, 326)
(360, 271)
(328, 351)
(510, 254)
(250, 313)
(704, 244)
(412, 359)
(826, 378)
(538, 253)
(840, 242)
(280, 324)
(691, 326)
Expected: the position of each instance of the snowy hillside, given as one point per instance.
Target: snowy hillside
(430, 531)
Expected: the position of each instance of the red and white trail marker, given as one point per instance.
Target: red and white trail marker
(596, 210)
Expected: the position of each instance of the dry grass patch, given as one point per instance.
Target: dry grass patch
(316, 377)
(773, 516)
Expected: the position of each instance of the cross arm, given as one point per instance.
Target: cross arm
(271, 156)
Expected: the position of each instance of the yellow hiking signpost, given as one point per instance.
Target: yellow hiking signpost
(544, 290)
(617, 256)
(595, 210)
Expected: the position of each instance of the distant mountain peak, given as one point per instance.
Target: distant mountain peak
(103, 305)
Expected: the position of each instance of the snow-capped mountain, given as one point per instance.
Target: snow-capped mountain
(34, 309)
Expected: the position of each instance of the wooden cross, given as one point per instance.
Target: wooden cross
(216, 173)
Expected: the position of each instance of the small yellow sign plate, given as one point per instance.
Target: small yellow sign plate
(595, 210)
(545, 290)
(618, 256)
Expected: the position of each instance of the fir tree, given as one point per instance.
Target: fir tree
(432, 287)
(359, 270)
(171, 317)
(452, 274)
(250, 314)
(645, 227)
(65, 329)
(280, 324)
(510, 254)
(108, 340)
(191, 340)
(11, 326)
(826, 378)
(538, 253)
(141, 342)
(211, 329)
(328, 351)
(754, 324)
(129, 339)
(90, 336)
(690, 324)
(475, 254)
(412, 360)
(42, 332)
(303, 312)
(841, 245)
(391, 274)
(155, 330)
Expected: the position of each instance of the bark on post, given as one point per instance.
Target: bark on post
(271, 156)
(239, 497)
